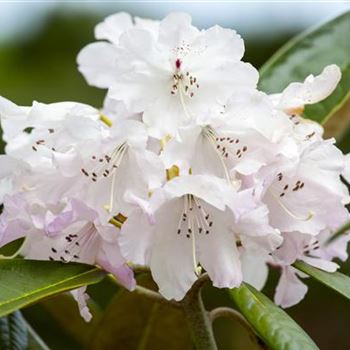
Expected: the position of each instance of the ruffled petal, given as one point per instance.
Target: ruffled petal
(290, 290)
(312, 90)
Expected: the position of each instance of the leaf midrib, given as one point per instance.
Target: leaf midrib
(42, 289)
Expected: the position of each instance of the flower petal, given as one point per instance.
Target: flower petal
(312, 90)
(171, 259)
(217, 251)
(290, 289)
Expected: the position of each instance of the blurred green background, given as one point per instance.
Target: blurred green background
(39, 43)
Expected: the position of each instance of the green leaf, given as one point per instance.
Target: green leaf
(271, 323)
(23, 282)
(13, 332)
(334, 280)
(135, 322)
(307, 54)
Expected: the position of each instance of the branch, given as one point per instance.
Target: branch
(198, 318)
(201, 281)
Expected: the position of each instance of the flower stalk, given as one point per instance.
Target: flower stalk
(198, 319)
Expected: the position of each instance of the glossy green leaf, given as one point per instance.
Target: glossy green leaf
(23, 282)
(13, 332)
(307, 54)
(335, 280)
(272, 324)
(135, 322)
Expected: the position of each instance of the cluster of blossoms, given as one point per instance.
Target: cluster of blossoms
(186, 168)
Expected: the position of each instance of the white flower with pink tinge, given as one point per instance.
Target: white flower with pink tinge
(72, 234)
(194, 221)
(307, 196)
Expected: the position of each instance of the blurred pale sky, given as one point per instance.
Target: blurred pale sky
(18, 19)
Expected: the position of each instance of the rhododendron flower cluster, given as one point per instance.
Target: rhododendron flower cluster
(187, 168)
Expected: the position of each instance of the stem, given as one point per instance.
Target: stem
(198, 318)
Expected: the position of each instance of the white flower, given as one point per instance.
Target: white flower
(74, 153)
(65, 233)
(104, 173)
(196, 168)
(194, 222)
(120, 166)
(296, 192)
(177, 73)
(73, 233)
(245, 136)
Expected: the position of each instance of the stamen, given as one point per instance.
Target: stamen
(195, 264)
(106, 120)
(193, 220)
(181, 93)
(309, 216)
(210, 134)
(107, 167)
(75, 244)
